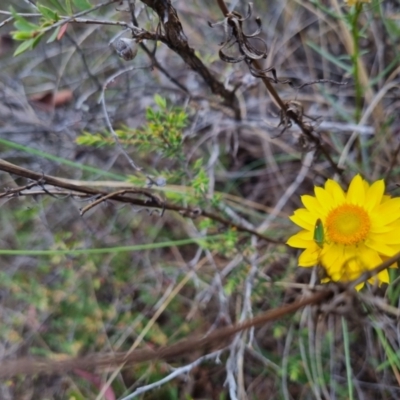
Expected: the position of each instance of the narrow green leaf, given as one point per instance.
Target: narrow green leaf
(60, 160)
(22, 24)
(25, 26)
(160, 101)
(330, 57)
(373, 81)
(82, 5)
(58, 6)
(48, 13)
(119, 249)
(349, 371)
(27, 45)
(68, 5)
(54, 35)
(36, 40)
(18, 35)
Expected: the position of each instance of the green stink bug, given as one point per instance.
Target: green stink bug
(319, 236)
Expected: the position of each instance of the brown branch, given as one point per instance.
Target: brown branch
(174, 38)
(152, 55)
(151, 202)
(369, 274)
(216, 339)
(288, 114)
(111, 195)
(177, 41)
(17, 191)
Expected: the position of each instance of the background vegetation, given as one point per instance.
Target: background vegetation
(212, 168)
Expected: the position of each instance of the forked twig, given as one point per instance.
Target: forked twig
(120, 193)
(18, 190)
(233, 19)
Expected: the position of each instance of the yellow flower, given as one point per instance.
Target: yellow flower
(361, 229)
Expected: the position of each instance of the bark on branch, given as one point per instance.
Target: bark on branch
(175, 38)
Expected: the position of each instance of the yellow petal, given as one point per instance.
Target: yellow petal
(306, 235)
(351, 267)
(337, 193)
(313, 205)
(324, 199)
(396, 248)
(368, 258)
(309, 257)
(374, 194)
(390, 237)
(355, 260)
(300, 240)
(331, 254)
(304, 219)
(356, 192)
(360, 286)
(383, 276)
(381, 248)
(388, 211)
(377, 226)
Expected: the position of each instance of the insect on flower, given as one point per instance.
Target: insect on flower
(360, 229)
(319, 235)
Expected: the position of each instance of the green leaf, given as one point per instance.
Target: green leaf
(82, 5)
(198, 164)
(26, 26)
(48, 13)
(68, 5)
(330, 57)
(54, 35)
(27, 45)
(160, 101)
(18, 35)
(88, 139)
(56, 4)
(36, 40)
(150, 114)
(22, 24)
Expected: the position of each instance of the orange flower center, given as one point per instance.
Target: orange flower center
(347, 224)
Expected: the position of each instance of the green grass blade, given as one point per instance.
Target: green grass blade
(61, 160)
(119, 249)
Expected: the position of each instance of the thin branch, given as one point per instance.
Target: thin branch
(371, 273)
(176, 40)
(191, 212)
(2, 12)
(119, 193)
(79, 14)
(214, 340)
(152, 56)
(306, 165)
(287, 113)
(6, 21)
(108, 121)
(218, 338)
(178, 371)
